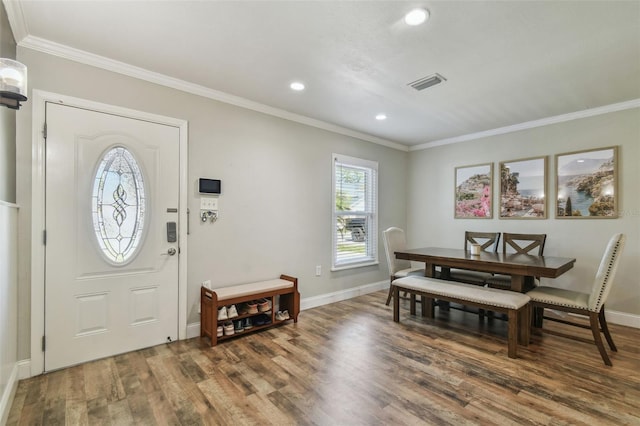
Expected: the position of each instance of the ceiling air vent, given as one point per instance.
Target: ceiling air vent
(428, 81)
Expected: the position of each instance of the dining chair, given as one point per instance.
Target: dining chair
(517, 244)
(394, 240)
(589, 304)
(488, 242)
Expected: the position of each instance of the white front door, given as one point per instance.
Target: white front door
(111, 267)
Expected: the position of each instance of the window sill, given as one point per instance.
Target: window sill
(353, 266)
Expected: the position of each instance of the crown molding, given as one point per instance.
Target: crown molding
(621, 106)
(87, 58)
(16, 19)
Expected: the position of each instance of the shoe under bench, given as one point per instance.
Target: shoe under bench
(281, 292)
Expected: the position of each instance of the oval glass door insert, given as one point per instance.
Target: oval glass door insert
(118, 205)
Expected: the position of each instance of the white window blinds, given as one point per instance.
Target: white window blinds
(355, 212)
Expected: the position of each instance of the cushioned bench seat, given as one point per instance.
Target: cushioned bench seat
(515, 305)
(231, 292)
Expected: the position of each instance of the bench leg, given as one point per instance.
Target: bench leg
(513, 333)
(428, 307)
(396, 304)
(524, 318)
(412, 304)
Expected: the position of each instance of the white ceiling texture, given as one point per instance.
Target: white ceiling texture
(506, 63)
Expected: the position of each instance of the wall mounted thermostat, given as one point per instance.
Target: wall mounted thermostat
(209, 186)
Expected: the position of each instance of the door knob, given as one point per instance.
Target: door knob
(170, 252)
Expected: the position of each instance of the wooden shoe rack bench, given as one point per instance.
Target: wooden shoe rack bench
(281, 293)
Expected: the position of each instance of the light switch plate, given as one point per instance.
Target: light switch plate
(208, 203)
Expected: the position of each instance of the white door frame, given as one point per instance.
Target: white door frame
(39, 98)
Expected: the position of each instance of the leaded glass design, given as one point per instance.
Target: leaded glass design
(118, 205)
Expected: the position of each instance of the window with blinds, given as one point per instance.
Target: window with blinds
(355, 212)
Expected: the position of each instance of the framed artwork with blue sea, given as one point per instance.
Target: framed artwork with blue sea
(587, 183)
(523, 188)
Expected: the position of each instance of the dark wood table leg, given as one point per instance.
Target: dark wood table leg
(429, 270)
(517, 283)
(396, 305)
(412, 303)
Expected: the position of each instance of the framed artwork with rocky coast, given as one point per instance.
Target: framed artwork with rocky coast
(473, 192)
(523, 187)
(587, 183)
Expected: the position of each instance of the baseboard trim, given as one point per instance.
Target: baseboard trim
(623, 318)
(8, 394)
(193, 329)
(338, 296)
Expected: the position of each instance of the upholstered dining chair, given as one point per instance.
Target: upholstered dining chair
(589, 304)
(394, 240)
(488, 242)
(520, 244)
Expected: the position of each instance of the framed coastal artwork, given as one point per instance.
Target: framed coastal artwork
(473, 192)
(523, 187)
(587, 183)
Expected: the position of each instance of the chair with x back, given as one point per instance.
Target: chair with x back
(394, 240)
(589, 304)
(518, 244)
(488, 242)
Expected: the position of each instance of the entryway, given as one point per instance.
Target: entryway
(112, 218)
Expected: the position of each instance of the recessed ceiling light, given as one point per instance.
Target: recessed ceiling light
(297, 86)
(381, 117)
(416, 17)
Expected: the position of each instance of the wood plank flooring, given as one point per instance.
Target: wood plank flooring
(348, 363)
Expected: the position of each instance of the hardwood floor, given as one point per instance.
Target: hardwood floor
(349, 364)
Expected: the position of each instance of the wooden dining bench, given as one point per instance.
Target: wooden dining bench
(515, 305)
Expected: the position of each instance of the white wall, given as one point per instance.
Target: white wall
(8, 306)
(431, 198)
(275, 210)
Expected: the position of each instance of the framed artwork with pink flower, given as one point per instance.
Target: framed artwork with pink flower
(474, 192)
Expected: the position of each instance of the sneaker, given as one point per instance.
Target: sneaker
(243, 309)
(285, 315)
(260, 320)
(238, 327)
(228, 328)
(219, 331)
(280, 316)
(222, 314)
(232, 311)
(264, 305)
(252, 307)
(247, 323)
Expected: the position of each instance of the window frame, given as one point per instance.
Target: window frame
(370, 213)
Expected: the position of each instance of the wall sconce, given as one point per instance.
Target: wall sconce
(13, 83)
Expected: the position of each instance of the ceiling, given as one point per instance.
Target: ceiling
(505, 62)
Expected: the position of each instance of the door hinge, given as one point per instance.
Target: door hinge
(44, 130)
(44, 343)
(44, 237)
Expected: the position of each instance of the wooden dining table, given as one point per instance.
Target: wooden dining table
(523, 268)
